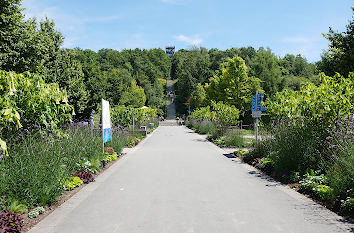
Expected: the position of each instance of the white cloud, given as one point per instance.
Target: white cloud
(73, 27)
(310, 46)
(195, 40)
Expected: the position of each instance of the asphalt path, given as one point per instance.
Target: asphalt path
(177, 182)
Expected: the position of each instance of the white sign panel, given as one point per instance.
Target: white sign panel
(106, 121)
(256, 114)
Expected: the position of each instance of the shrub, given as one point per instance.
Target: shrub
(205, 127)
(264, 164)
(224, 116)
(294, 148)
(72, 183)
(261, 150)
(203, 113)
(92, 167)
(234, 139)
(348, 206)
(123, 116)
(41, 162)
(36, 212)
(131, 142)
(86, 176)
(324, 192)
(17, 208)
(109, 150)
(26, 99)
(10, 222)
(341, 147)
(114, 156)
(316, 185)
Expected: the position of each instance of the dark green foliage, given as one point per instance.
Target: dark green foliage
(134, 96)
(261, 149)
(27, 47)
(348, 206)
(265, 67)
(340, 57)
(189, 67)
(67, 72)
(233, 139)
(341, 147)
(195, 67)
(39, 164)
(108, 73)
(232, 85)
(295, 149)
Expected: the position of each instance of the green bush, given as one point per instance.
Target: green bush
(261, 150)
(294, 148)
(307, 119)
(25, 100)
(234, 139)
(17, 208)
(341, 147)
(224, 116)
(324, 192)
(72, 183)
(206, 127)
(317, 185)
(35, 172)
(36, 212)
(348, 206)
(123, 116)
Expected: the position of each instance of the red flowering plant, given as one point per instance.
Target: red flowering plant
(109, 150)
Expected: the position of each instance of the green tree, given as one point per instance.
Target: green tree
(134, 96)
(189, 67)
(340, 57)
(10, 20)
(67, 72)
(264, 66)
(224, 116)
(198, 97)
(25, 46)
(232, 85)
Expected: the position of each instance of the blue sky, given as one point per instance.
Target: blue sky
(285, 26)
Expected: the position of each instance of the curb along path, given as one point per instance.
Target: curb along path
(174, 182)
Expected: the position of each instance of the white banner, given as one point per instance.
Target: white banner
(106, 122)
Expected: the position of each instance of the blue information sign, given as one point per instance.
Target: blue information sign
(256, 102)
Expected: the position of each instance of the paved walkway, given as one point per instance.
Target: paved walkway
(171, 110)
(176, 182)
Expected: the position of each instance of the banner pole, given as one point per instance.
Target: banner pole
(102, 126)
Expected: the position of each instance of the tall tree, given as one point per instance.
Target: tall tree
(264, 66)
(67, 72)
(232, 85)
(134, 96)
(10, 31)
(340, 57)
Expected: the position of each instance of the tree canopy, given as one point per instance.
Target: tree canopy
(340, 56)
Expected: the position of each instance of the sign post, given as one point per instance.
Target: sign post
(106, 123)
(257, 110)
